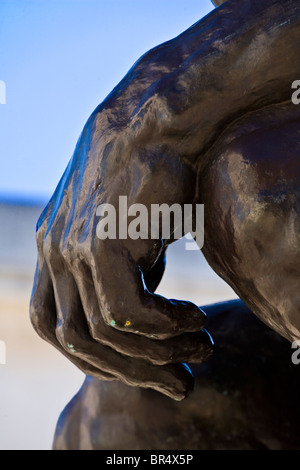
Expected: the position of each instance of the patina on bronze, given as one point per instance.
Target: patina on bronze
(246, 397)
(204, 118)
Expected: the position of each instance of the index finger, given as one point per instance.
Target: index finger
(127, 304)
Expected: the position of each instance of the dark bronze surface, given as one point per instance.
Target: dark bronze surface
(204, 118)
(245, 398)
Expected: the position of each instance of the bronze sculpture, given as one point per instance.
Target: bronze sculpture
(205, 118)
(245, 398)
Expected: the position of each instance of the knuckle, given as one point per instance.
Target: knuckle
(55, 248)
(117, 312)
(39, 323)
(35, 317)
(66, 338)
(49, 248)
(96, 332)
(39, 236)
(66, 249)
(41, 228)
(73, 252)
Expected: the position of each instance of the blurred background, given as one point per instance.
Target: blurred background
(58, 61)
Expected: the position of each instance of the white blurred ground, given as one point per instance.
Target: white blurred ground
(37, 381)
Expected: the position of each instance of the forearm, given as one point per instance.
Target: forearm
(241, 57)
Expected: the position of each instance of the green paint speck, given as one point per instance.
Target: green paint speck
(113, 323)
(71, 347)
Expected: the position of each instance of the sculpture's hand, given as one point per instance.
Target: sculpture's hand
(89, 297)
(93, 299)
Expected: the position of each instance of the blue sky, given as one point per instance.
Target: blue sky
(59, 59)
